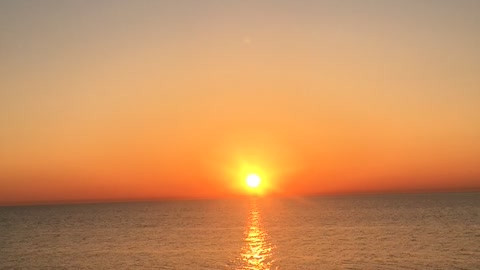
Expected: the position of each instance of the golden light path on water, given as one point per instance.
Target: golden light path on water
(257, 253)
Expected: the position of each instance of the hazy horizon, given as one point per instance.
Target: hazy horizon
(243, 197)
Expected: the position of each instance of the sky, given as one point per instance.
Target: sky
(113, 100)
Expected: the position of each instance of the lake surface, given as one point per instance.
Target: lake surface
(429, 231)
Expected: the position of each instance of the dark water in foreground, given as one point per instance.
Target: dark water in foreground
(440, 231)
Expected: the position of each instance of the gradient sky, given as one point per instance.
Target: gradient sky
(152, 99)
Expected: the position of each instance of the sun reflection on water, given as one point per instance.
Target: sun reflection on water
(257, 251)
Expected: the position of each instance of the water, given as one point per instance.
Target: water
(440, 231)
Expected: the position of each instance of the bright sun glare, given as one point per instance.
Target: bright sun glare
(253, 180)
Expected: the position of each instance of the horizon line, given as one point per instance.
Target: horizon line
(236, 196)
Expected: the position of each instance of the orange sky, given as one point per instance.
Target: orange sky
(181, 99)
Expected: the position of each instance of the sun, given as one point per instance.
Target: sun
(253, 180)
